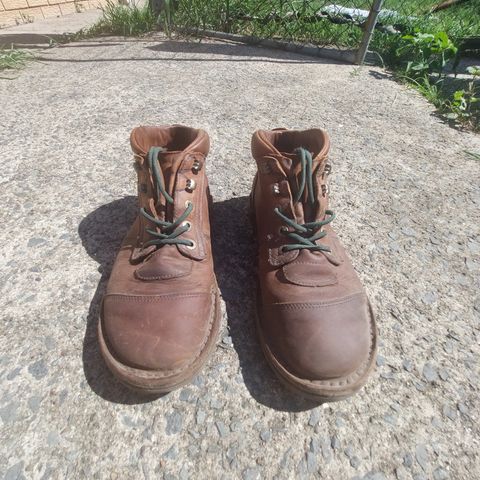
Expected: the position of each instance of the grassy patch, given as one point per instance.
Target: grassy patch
(13, 58)
(127, 21)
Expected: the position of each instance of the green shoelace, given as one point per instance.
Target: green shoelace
(307, 234)
(170, 232)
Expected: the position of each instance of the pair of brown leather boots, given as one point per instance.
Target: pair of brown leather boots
(161, 312)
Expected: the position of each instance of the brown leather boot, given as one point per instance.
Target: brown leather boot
(314, 319)
(160, 315)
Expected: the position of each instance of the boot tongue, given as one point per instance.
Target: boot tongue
(292, 167)
(169, 163)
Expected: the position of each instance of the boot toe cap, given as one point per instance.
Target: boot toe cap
(320, 341)
(162, 333)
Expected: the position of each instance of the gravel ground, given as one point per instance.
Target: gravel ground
(407, 198)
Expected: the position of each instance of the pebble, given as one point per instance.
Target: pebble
(251, 474)
(34, 403)
(38, 369)
(349, 451)
(421, 456)
(449, 412)
(171, 453)
(265, 435)
(440, 474)
(335, 442)
(314, 417)
(355, 462)
(444, 375)
(380, 361)
(312, 463)
(9, 412)
(14, 472)
(174, 423)
(429, 298)
(185, 394)
(35, 242)
(430, 373)
(392, 420)
(223, 430)
(462, 408)
(407, 365)
(408, 460)
(200, 417)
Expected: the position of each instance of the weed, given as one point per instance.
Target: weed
(13, 58)
(129, 21)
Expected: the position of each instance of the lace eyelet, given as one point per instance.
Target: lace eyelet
(188, 203)
(188, 225)
(193, 246)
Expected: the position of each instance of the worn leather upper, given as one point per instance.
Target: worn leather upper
(314, 313)
(157, 310)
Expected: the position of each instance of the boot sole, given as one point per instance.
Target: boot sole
(331, 390)
(155, 382)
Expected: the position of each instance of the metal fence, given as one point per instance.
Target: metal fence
(340, 30)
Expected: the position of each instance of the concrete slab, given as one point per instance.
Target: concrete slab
(42, 32)
(407, 199)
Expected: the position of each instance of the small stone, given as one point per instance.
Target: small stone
(53, 439)
(407, 365)
(174, 423)
(408, 460)
(251, 474)
(374, 476)
(380, 361)
(231, 453)
(14, 373)
(421, 456)
(265, 435)
(9, 412)
(39, 369)
(349, 451)
(314, 417)
(335, 442)
(420, 386)
(430, 372)
(227, 341)
(392, 420)
(444, 375)
(449, 412)
(216, 403)
(440, 474)
(34, 403)
(462, 408)
(200, 417)
(355, 462)
(409, 232)
(429, 298)
(171, 453)
(35, 242)
(401, 473)
(339, 422)
(14, 472)
(183, 475)
(185, 395)
(312, 463)
(223, 430)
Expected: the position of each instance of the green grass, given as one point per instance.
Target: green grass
(13, 58)
(123, 21)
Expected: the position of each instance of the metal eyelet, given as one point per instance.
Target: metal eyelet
(196, 167)
(193, 246)
(188, 203)
(188, 225)
(276, 189)
(191, 185)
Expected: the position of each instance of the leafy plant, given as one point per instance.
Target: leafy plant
(128, 21)
(13, 58)
(463, 106)
(427, 53)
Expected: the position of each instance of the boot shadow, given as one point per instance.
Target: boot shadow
(101, 232)
(234, 251)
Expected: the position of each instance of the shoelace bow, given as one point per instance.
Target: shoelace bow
(170, 232)
(308, 233)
